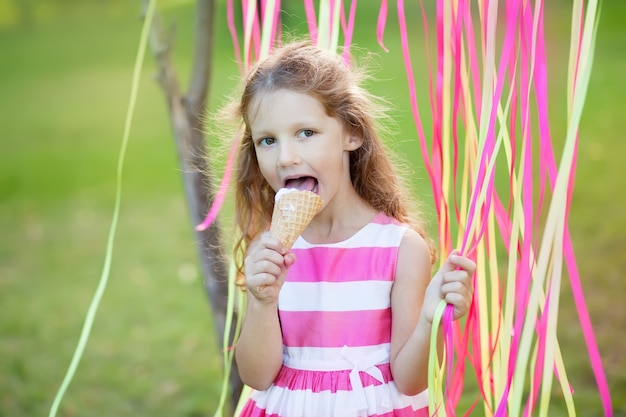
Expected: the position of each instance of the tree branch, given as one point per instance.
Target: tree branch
(203, 53)
(186, 118)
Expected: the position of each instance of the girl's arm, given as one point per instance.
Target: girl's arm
(414, 298)
(259, 352)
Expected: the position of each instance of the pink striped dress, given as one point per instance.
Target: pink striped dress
(335, 313)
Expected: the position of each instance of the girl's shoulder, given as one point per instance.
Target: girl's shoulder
(409, 238)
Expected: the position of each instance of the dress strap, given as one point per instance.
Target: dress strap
(366, 364)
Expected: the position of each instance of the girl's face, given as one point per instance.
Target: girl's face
(298, 145)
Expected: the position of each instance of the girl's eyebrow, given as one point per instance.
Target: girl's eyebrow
(260, 132)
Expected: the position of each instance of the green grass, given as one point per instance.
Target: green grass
(64, 82)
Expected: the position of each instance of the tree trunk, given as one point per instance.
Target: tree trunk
(186, 117)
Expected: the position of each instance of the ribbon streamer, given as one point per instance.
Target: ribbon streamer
(104, 277)
(515, 335)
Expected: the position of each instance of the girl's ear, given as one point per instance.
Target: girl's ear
(352, 142)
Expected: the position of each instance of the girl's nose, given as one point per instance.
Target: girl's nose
(288, 154)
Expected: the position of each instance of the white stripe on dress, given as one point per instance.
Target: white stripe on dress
(327, 358)
(372, 235)
(315, 404)
(335, 296)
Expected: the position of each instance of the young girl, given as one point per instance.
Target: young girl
(340, 324)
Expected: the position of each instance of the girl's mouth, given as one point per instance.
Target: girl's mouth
(302, 183)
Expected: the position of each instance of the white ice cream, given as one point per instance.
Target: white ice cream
(283, 191)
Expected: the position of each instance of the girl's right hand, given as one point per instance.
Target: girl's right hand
(265, 267)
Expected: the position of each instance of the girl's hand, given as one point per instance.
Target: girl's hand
(453, 283)
(266, 267)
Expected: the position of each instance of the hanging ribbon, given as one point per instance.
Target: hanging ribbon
(104, 277)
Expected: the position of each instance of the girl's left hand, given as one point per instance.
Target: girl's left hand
(452, 283)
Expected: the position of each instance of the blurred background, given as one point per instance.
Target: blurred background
(65, 76)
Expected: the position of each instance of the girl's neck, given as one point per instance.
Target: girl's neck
(339, 221)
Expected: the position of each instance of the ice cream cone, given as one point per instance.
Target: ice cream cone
(293, 211)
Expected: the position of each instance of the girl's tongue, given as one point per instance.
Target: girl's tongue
(302, 183)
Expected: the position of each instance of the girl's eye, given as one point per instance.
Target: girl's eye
(306, 133)
(266, 141)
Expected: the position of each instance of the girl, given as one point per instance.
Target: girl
(340, 324)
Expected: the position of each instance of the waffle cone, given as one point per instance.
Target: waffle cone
(293, 211)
